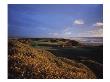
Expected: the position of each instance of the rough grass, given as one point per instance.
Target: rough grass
(27, 62)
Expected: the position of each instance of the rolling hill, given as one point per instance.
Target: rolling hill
(27, 62)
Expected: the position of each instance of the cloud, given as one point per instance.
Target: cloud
(68, 33)
(54, 34)
(98, 24)
(96, 32)
(92, 33)
(79, 22)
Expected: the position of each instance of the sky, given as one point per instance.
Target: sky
(55, 20)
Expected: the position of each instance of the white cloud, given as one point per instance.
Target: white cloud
(67, 33)
(79, 22)
(96, 32)
(54, 34)
(98, 24)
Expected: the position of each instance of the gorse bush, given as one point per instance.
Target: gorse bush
(25, 61)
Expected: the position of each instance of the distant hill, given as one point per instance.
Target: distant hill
(24, 61)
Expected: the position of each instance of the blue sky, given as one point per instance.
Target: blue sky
(55, 20)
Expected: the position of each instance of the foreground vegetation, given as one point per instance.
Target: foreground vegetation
(26, 60)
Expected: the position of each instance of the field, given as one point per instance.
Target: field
(79, 60)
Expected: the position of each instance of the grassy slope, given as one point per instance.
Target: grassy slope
(25, 61)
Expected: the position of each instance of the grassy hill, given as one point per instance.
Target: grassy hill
(25, 61)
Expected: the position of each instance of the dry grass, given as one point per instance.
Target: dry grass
(25, 61)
